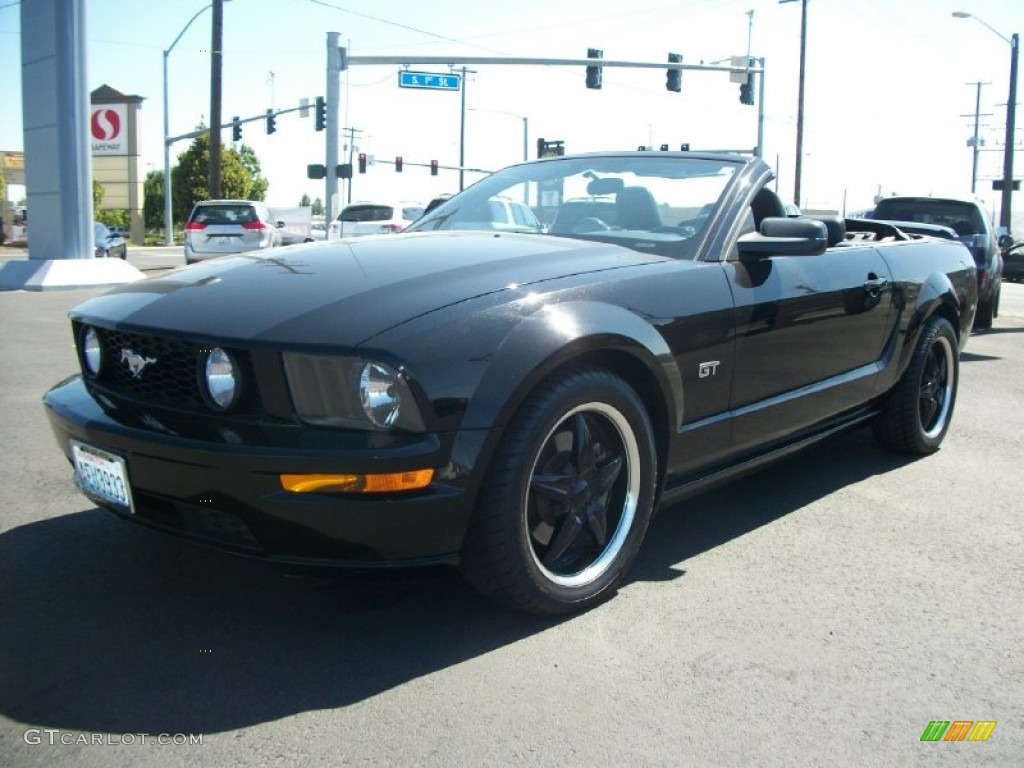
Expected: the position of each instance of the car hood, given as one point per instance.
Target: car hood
(344, 292)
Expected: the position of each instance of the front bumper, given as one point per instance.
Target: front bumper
(224, 490)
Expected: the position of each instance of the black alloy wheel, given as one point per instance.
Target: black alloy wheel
(568, 498)
(919, 409)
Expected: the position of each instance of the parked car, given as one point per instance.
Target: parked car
(318, 230)
(107, 243)
(221, 227)
(373, 218)
(1013, 262)
(967, 218)
(517, 404)
(497, 213)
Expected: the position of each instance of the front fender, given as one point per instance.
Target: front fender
(539, 346)
(557, 334)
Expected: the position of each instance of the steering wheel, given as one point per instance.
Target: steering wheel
(589, 224)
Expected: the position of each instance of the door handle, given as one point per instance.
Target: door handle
(874, 285)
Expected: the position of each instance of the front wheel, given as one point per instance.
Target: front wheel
(919, 408)
(568, 497)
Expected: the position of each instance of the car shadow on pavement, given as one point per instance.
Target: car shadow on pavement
(712, 518)
(112, 628)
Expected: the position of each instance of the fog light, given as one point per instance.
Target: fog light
(221, 379)
(92, 352)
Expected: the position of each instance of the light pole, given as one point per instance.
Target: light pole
(168, 222)
(1011, 113)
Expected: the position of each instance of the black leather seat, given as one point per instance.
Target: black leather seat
(765, 204)
(635, 208)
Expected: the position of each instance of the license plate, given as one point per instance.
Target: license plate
(102, 475)
(224, 240)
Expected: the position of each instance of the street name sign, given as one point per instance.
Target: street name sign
(433, 81)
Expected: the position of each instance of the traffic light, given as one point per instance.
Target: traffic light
(321, 113)
(594, 73)
(398, 164)
(550, 148)
(316, 171)
(343, 171)
(271, 121)
(674, 79)
(747, 91)
(236, 129)
(362, 162)
(747, 88)
(433, 167)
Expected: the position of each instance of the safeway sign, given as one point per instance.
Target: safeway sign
(108, 129)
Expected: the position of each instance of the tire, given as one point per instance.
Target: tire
(920, 407)
(567, 498)
(985, 313)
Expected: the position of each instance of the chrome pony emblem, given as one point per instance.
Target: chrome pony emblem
(136, 362)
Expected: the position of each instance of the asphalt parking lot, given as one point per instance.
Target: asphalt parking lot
(821, 612)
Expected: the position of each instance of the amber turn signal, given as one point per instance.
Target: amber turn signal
(393, 482)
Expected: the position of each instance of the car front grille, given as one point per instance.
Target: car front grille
(170, 375)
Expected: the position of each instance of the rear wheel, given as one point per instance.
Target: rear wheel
(920, 407)
(568, 497)
(985, 313)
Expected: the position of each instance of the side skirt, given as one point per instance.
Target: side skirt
(691, 486)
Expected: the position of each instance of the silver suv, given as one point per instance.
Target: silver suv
(222, 227)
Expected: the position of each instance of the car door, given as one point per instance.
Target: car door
(809, 332)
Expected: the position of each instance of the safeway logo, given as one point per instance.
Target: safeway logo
(105, 124)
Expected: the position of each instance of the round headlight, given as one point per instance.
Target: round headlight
(380, 394)
(222, 379)
(92, 352)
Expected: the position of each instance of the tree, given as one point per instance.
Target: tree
(258, 190)
(240, 176)
(97, 195)
(153, 207)
(318, 207)
(304, 201)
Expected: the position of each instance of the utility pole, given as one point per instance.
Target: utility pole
(975, 142)
(1011, 111)
(216, 62)
(351, 149)
(800, 101)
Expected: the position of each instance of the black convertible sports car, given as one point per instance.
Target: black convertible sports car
(517, 403)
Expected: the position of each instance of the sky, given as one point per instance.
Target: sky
(890, 85)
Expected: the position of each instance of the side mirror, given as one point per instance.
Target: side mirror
(785, 237)
(1005, 241)
(280, 225)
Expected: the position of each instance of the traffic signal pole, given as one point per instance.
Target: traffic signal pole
(334, 67)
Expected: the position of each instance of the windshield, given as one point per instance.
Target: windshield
(652, 202)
